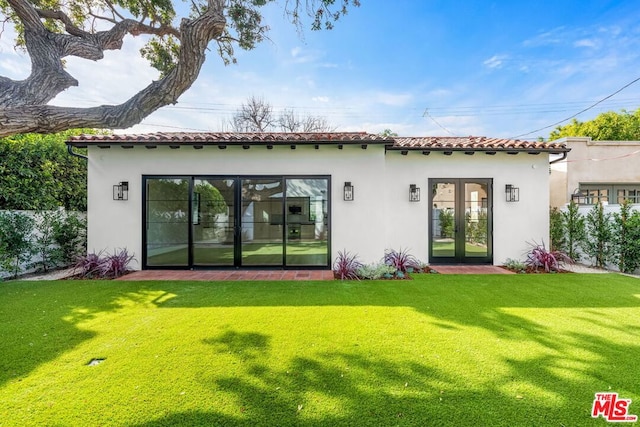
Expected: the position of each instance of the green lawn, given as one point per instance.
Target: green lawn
(497, 350)
(447, 249)
(298, 253)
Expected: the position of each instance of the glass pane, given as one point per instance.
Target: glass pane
(213, 222)
(597, 195)
(443, 217)
(307, 219)
(475, 220)
(167, 222)
(262, 221)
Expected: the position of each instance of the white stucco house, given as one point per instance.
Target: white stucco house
(596, 171)
(279, 200)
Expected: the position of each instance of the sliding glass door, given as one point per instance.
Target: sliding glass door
(213, 222)
(262, 237)
(236, 221)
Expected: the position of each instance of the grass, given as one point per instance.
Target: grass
(499, 350)
(447, 249)
(298, 253)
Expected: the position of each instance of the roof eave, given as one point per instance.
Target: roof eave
(239, 143)
(529, 150)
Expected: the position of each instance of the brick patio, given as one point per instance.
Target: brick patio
(229, 275)
(264, 275)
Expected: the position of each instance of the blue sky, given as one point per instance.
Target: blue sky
(423, 67)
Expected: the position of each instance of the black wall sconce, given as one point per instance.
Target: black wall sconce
(348, 192)
(121, 191)
(512, 193)
(414, 193)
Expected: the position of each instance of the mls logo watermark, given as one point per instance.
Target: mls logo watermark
(612, 408)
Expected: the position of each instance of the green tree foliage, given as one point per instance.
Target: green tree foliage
(574, 231)
(50, 31)
(626, 238)
(598, 242)
(60, 238)
(15, 241)
(557, 230)
(37, 173)
(446, 223)
(609, 126)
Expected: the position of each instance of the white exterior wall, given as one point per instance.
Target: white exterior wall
(514, 223)
(356, 226)
(594, 162)
(381, 216)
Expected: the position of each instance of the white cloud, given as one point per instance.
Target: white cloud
(393, 99)
(495, 61)
(323, 99)
(554, 36)
(304, 56)
(591, 43)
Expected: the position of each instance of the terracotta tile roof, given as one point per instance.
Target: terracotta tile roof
(217, 138)
(427, 143)
(475, 143)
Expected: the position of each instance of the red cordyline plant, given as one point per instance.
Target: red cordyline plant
(97, 265)
(346, 266)
(401, 260)
(540, 258)
(90, 265)
(117, 264)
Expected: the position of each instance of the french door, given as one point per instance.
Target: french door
(236, 221)
(460, 223)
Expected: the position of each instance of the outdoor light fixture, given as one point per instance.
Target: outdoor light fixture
(512, 193)
(121, 191)
(414, 193)
(579, 197)
(348, 191)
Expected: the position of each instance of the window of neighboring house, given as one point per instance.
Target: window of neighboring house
(631, 193)
(591, 194)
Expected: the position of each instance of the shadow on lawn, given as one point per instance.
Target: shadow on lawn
(342, 388)
(351, 388)
(39, 322)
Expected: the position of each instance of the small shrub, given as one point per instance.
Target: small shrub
(515, 265)
(574, 231)
(557, 241)
(109, 266)
(346, 266)
(90, 265)
(117, 264)
(598, 238)
(402, 261)
(626, 238)
(43, 242)
(376, 271)
(541, 258)
(16, 247)
(70, 235)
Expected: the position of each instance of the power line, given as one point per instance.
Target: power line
(426, 113)
(580, 112)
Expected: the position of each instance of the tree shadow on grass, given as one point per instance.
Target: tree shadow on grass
(39, 320)
(554, 386)
(342, 388)
(352, 388)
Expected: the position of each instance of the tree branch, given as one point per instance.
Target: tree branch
(59, 15)
(195, 34)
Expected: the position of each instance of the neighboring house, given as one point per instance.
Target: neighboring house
(596, 171)
(278, 200)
